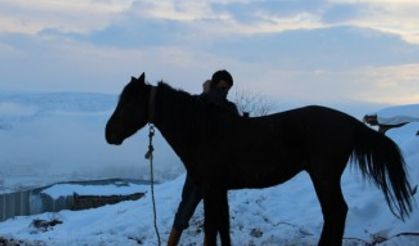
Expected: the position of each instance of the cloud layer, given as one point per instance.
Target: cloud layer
(341, 49)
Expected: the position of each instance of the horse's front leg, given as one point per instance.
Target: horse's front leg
(216, 216)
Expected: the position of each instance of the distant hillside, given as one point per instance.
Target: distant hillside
(58, 136)
(22, 106)
(54, 101)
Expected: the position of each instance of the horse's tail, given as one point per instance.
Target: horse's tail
(380, 159)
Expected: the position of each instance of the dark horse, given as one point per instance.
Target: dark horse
(222, 151)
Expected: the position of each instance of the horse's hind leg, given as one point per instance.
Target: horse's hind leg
(334, 209)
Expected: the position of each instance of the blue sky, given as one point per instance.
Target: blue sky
(309, 51)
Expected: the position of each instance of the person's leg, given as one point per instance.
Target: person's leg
(174, 237)
(191, 196)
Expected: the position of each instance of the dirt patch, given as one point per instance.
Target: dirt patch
(14, 242)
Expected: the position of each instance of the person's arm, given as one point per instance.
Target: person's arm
(233, 108)
(206, 86)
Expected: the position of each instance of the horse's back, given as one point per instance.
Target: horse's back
(315, 132)
(272, 149)
(330, 138)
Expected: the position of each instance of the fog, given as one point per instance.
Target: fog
(50, 137)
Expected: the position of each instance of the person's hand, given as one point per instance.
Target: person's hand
(206, 86)
(371, 119)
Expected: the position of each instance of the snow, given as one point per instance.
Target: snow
(411, 110)
(398, 114)
(287, 214)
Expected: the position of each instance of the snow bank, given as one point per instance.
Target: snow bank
(398, 114)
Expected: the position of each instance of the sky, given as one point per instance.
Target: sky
(310, 51)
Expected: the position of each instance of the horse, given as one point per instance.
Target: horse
(222, 152)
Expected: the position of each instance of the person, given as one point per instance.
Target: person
(214, 91)
(393, 117)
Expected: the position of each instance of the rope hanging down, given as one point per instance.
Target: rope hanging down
(149, 156)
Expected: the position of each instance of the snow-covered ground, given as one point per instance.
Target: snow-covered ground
(288, 214)
(398, 114)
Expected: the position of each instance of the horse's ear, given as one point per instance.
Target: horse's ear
(133, 79)
(142, 78)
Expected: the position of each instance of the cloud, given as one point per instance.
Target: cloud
(57, 64)
(95, 6)
(276, 24)
(139, 32)
(186, 10)
(288, 47)
(391, 84)
(220, 18)
(378, 2)
(253, 17)
(380, 84)
(339, 14)
(216, 18)
(75, 16)
(339, 48)
(396, 17)
(309, 65)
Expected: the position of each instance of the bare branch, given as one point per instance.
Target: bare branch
(252, 102)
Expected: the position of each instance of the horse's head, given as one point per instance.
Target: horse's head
(131, 113)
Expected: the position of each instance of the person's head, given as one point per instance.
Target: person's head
(222, 80)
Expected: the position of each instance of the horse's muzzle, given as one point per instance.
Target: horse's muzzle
(112, 137)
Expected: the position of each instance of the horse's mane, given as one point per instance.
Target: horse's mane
(199, 113)
(161, 85)
(191, 102)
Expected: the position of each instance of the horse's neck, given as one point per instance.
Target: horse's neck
(175, 123)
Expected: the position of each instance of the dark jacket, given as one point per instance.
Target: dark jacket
(218, 98)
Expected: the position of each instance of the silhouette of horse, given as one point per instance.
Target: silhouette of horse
(222, 151)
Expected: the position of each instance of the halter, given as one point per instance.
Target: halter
(151, 104)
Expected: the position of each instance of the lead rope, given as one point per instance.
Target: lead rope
(149, 156)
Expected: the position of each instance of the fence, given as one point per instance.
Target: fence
(14, 204)
(35, 202)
